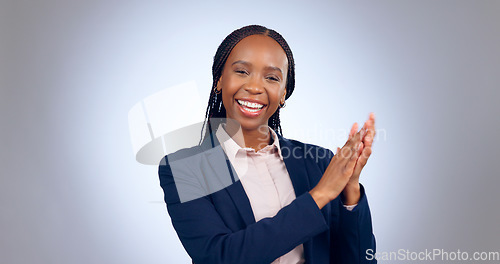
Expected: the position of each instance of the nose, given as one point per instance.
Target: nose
(255, 85)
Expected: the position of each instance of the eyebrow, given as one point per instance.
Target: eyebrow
(249, 64)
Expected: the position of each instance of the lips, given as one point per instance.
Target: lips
(250, 108)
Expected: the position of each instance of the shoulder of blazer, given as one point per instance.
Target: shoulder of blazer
(195, 172)
(166, 169)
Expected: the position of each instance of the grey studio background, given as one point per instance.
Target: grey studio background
(72, 192)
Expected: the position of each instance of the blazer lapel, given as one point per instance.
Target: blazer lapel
(295, 165)
(294, 160)
(214, 154)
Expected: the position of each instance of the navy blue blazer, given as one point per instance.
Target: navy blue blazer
(213, 218)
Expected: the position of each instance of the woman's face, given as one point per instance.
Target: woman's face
(253, 81)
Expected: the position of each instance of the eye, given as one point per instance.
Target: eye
(241, 72)
(273, 78)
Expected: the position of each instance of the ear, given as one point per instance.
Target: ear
(282, 101)
(218, 84)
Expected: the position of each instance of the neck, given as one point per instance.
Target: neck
(256, 138)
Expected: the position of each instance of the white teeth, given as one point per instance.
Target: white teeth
(255, 106)
(250, 109)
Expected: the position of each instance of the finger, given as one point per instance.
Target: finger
(372, 116)
(364, 125)
(354, 128)
(364, 128)
(362, 160)
(360, 149)
(370, 122)
(351, 162)
(370, 130)
(356, 142)
(338, 154)
(353, 141)
(368, 141)
(351, 147)
(359, 136)
(367, 151)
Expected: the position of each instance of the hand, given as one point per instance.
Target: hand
(338, 172)
(351, 192)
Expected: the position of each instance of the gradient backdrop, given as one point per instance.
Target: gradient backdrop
(72, 192)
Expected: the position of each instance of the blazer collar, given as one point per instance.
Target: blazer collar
(293, 156)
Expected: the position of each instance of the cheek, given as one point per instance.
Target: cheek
(226, 89)
(277, 95)
(230, 84)
(226, 99)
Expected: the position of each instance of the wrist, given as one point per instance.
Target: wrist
(321, 198)
(351, 194)
(352, 186)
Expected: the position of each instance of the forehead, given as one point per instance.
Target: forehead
(259, 49)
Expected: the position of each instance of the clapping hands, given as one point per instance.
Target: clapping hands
(342, 174)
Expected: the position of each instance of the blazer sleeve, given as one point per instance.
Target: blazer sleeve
(208, 240)
(353, 235)
(351, 231)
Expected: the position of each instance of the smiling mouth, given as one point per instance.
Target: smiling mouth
(250, 106)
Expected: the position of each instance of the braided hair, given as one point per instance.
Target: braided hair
(215, 109)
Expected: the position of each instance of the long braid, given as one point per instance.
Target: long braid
(215, 108)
